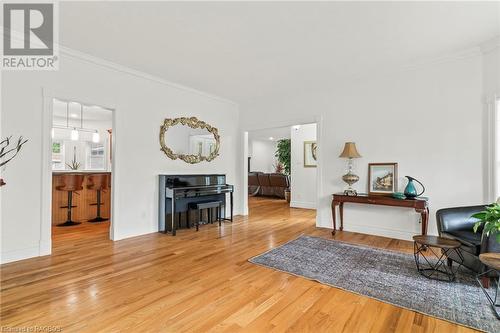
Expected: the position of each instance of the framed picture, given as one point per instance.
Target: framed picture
(56, 147)
(310, 154)
(382, 178)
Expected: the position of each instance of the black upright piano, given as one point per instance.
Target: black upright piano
(178, 191)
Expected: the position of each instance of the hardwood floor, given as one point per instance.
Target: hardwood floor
(194, 282)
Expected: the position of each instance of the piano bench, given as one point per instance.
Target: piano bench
(209, 205)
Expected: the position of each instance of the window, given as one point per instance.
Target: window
(96, 159)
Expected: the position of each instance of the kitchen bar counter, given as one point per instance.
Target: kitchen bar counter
(60, 172)
(85, 199)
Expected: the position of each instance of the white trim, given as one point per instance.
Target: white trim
(491, 133)
(46, 178)
(20, 254)
(378, 231)
(71, 53)
(430, 61)
(318, 120)
(449, 57)
(372, 230)
(283, 123)
(302, 204)
(319, 166)
(244, 202)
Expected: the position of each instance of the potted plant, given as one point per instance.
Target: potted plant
(7, 152)
(284, 156)
(75, 165)
(490, 220)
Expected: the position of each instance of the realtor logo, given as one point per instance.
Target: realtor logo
(29, 32)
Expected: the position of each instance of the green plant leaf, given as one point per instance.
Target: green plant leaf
(283, 153)
(477, 225)
(479, 216)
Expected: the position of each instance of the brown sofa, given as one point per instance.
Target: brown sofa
(268, 184)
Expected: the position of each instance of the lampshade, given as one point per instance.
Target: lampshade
(350, 151)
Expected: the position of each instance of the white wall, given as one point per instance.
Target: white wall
(303, 180)
(428, 119)
(141, 103)
(262, 155)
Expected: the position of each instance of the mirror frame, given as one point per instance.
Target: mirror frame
(192, 122)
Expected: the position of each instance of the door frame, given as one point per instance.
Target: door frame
(46, 204)
(318, 120)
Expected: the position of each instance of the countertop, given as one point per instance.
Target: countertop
(64, 172)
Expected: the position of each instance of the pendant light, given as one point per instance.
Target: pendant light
(74, 132)
(95, 137)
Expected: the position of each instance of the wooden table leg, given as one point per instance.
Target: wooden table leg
(424, 213)
(334, 217)
(424, 225)
(341, 211)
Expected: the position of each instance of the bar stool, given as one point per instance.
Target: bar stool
(98, 182)
(70, 183)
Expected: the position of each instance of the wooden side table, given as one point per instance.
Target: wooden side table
(420, 206)
(432, 264)
(492, 260)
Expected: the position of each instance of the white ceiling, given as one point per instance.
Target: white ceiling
(276, 133)
(246, 50)
(61, 111)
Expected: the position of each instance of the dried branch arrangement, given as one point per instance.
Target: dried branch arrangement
(7, 153)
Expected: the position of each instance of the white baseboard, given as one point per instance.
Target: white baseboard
(384, 232)
(45, 248)
(303, 204)
(10, 256)
(372, 230)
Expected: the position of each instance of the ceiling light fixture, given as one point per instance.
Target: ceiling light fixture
(75, 131)
(74, 134)
(95, 137)
(296, 127)
(271, 138)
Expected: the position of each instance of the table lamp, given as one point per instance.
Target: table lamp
(350, 178)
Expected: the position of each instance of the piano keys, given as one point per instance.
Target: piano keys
(176, 192)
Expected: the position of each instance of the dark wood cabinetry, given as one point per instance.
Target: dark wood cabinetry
(84, 200)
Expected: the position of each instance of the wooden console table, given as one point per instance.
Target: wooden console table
(420, 206)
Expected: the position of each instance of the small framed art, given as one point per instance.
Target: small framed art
(382, 178)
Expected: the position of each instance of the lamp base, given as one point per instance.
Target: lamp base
(350, 192)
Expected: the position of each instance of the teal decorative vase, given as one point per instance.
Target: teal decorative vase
(410, 189)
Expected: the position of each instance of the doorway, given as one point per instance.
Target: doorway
(282, 165)
(79, 165)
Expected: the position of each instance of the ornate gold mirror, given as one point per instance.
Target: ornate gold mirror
(189, 139)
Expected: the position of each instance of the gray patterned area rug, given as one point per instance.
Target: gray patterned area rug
(385, 275)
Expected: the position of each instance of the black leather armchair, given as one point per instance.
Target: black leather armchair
(457, 223)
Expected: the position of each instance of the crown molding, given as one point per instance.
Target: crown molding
(490, 45)
(110, 65)
(431, 61)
